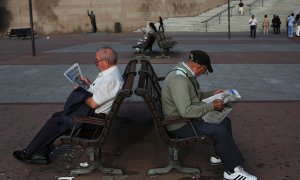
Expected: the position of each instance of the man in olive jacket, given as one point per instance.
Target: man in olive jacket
(181, 97)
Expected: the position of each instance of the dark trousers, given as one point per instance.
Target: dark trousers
(253, 31)
(52, 129)
(224, 145)
(278, 29)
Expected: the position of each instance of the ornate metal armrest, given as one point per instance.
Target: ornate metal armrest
(175, 120)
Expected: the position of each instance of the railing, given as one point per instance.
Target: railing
(217, 15)
(254, 2)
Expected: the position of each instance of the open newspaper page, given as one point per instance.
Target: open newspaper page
(228, 96)
(74, 75)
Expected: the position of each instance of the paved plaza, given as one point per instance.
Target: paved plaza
(265, 70)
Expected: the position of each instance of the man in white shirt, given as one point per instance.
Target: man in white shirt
(108, 82)
(253, 24)
(98, 98)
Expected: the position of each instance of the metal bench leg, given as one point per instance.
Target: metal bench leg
(95, 158)
(162, 55)
(173, 163)
(104, 170)
(143, 57)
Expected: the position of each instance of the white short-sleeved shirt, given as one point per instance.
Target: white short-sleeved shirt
(252, 22)
(105, 88)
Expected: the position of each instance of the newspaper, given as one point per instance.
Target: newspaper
(228, 97)
(74, 75)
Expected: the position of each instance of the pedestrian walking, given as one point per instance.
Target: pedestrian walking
(253, 23)
(161, 24)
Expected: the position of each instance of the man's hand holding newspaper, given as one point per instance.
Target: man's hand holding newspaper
(75, 76)
(227, 96)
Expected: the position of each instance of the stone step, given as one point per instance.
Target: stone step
(237, 22)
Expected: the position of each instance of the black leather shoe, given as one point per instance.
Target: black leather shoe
(33, 159)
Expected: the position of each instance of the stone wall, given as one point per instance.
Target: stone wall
(70, 16)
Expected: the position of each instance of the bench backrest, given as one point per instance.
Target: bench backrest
(163, 41)
(148, 68)
(159, 36)
(126, 91)
(150, 90)
(20, 32)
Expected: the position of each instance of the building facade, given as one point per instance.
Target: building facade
(70, 16)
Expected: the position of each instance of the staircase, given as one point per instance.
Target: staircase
(238, 23)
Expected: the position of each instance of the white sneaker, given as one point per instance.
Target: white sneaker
(215, 160)
(239, 174)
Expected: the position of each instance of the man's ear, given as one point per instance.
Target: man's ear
(190, 63)
(108, 65)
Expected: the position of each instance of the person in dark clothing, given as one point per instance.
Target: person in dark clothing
(152, 26)
(278, 23)
(93, 20)
(161, 24)
(274, 24)
(95, 101)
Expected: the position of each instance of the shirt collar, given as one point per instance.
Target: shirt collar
(188, 68)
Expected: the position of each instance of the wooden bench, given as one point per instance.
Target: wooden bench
(150, 90)
(99, 128)
(20, 32)
(145, 45)
(164, 43)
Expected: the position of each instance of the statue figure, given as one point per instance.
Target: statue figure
(93, 20)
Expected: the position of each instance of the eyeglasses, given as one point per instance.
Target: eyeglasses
(98, 60)
(205, 72)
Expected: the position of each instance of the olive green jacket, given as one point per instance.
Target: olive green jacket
(181, 96)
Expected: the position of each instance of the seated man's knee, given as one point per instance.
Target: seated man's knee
(226, 121)
(221, 132)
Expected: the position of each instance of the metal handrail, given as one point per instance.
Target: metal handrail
(217, 15)
(254, 2)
